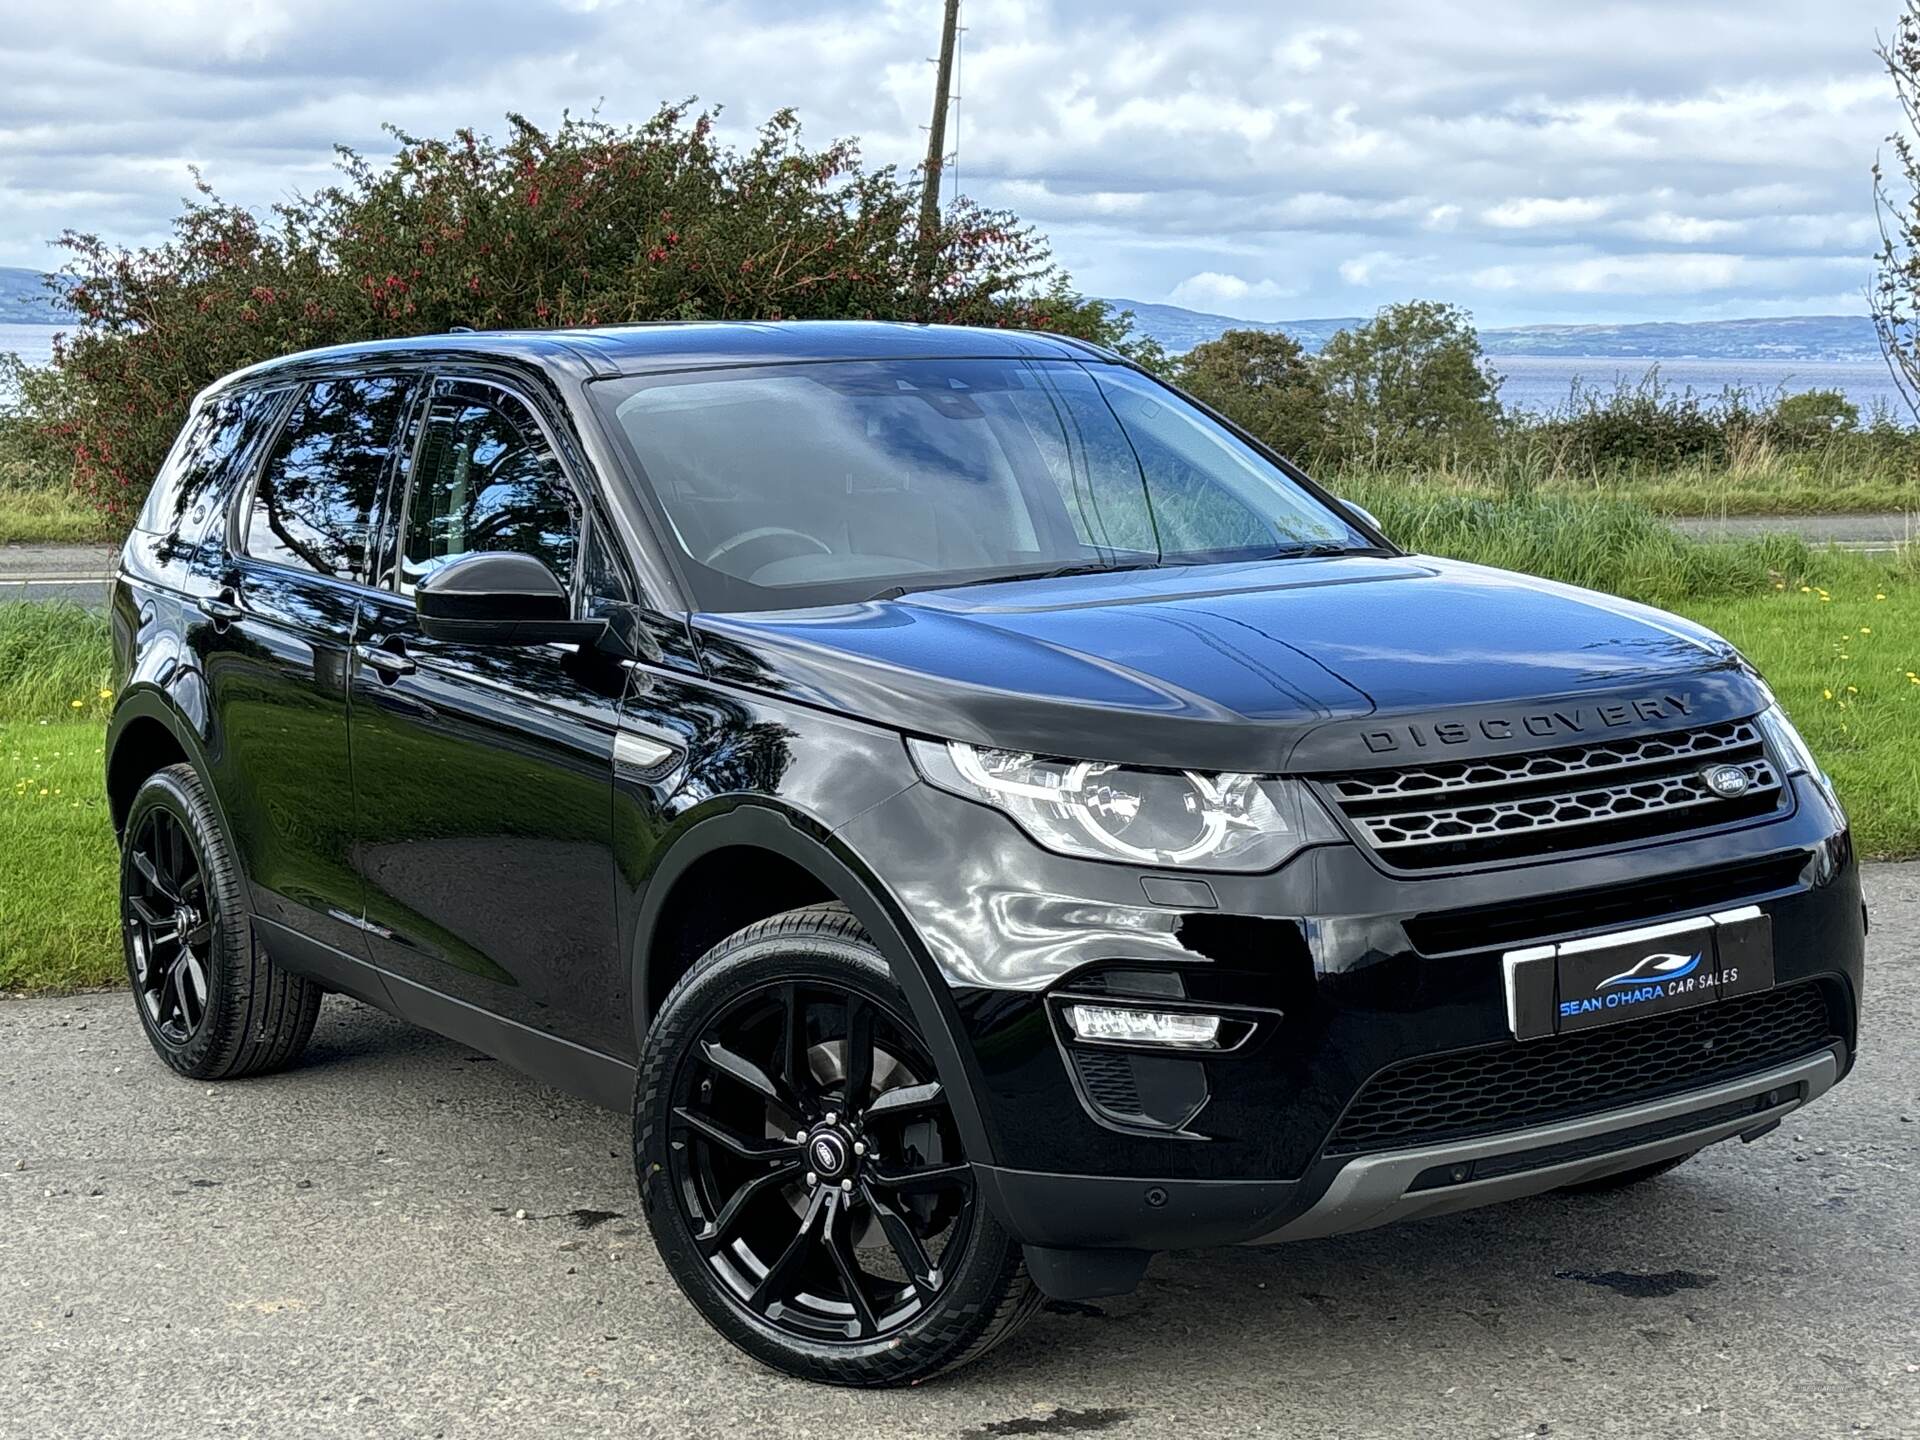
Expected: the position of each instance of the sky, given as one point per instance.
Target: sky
(1530, 160)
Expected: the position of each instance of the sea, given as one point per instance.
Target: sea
(1538, 383)
(1542, 383)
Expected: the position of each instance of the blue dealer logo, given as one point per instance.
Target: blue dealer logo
(1654, 968)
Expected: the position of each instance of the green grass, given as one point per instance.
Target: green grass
(1847, 477)
(1611, 545)
(58, 866)
(51, 517)
(1846, 665)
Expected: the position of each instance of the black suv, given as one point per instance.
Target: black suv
(987, 817)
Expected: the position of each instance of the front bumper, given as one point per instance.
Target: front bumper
(1364, 970)
(1365, 1191)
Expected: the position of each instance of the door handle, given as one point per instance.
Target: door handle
(223, 609)
(391, 660)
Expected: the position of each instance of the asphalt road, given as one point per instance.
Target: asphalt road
(55, 572)
(400, 1238)
(1852, 532)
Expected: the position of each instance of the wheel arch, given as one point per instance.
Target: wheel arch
(803, 848)
(145, 735)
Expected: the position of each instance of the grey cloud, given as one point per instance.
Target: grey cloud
(1531, 159)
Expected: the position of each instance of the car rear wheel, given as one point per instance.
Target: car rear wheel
(211, 1002)
(801, 1169)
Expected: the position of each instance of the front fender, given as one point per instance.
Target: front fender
(764, 825)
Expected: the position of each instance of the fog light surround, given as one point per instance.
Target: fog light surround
(1103, 1024)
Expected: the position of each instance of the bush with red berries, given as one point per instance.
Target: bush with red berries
(589, 224)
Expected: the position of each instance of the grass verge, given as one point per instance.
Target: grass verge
(58, 864)
(51, 517)
(1847, 667)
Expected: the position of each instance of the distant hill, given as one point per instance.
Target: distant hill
(1179, 329)
(24, 299)
(1790, 337)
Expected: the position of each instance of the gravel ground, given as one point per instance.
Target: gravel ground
(403, 1239)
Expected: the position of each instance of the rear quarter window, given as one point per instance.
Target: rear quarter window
(193, 477)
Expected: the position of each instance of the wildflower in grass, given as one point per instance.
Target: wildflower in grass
(78, 704)
(106, 694)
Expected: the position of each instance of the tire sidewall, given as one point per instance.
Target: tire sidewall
(177, 790)
(727, 973)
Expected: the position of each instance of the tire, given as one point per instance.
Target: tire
(816, 964)
(212, 1004)
(1625, 1178)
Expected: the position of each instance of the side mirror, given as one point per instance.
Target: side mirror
(500, 597)
(1364, 513)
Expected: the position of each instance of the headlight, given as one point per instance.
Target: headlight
(1150, 817)
(1791, 750)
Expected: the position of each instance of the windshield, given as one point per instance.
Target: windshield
(796, 485)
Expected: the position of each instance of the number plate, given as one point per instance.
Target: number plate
(1612, 979)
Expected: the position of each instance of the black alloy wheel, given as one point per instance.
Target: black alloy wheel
(169, 915)
(808, 1124)
(212, 1003)
(803, 1170)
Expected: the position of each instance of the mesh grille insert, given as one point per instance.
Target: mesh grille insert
(1512, 1085)
(1576, 797)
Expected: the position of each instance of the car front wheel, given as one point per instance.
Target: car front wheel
(801, 1169)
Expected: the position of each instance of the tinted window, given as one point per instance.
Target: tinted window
(314, 502)
(197, 464)
(486, 479)
(792, 485)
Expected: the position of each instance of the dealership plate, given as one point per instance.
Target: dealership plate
(1631, 974)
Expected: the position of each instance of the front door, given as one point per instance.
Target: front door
(483, 775)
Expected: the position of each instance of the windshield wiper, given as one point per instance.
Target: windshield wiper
(1310, 549)
(1058, 572)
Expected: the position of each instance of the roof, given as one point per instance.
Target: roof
(678, 345)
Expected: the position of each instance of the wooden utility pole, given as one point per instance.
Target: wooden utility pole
(937, 144)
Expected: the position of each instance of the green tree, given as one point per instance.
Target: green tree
(1264, 382)
(1813, 415)
(590, 224)
(1411, 386)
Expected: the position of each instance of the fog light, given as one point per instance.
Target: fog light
(1115, 1025)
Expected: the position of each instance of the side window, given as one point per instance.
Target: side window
(214, 433)
(485, 479)
(313, 505)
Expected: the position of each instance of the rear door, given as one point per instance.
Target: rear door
(277, 635)
(483, 775)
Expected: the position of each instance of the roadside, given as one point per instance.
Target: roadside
(44, 572)
(402, 1238)
(1886, 531)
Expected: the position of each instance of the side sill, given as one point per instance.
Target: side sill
(599, 1079)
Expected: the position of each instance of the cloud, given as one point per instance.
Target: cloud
(1674, 273)
(1210, 290)
(1544, 162)
(1531, 213)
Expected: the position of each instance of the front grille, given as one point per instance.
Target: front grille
(1512, 1085)
(1513, 807)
